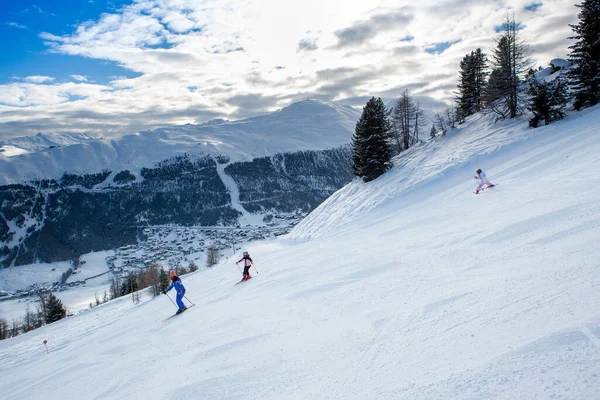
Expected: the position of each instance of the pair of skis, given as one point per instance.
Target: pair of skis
(487, 187)
(192, 305)
(176, 314)
(243, 280)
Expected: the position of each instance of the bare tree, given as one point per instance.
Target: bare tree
(192, 267)
(440, 121)
(15, 328)
(407, 121)
(420, 123)
(451, 117)
(212, 256)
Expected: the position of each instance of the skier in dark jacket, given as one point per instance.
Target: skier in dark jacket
(247, 264)
(178, 285)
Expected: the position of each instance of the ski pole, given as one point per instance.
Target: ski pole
(191, 302)
(237, 265)
(172, 301)
(255, 268)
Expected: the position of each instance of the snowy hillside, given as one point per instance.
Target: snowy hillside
(409, 287)
(305, 125)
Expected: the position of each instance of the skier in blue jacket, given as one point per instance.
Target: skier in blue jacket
(178, 285)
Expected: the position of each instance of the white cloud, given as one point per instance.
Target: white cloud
(16, 25)
(79, 78)
(232, 52)
(38, 79)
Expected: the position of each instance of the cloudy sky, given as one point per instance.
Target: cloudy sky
(111, 67)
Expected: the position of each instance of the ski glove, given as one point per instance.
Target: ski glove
(164, 292)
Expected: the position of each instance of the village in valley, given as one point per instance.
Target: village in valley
(169, 247)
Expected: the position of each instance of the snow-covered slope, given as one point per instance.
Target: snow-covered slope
(449, 162)
(305, 125)
(428, 292)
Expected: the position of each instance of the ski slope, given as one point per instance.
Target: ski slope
(408, 287)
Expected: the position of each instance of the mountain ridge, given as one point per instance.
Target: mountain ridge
(303, 125)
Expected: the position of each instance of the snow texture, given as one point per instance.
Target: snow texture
(408, 287)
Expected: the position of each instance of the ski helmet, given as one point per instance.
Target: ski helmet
(172, 274)
(245, 253)
(479, 171)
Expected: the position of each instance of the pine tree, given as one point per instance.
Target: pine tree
(585, 54)
(129, 285)
(510, 62)
(54, 309)
(472, 80)
(163, 278)
(371, 150)
(547, 100)
(433, 131)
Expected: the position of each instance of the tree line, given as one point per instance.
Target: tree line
(505, 85)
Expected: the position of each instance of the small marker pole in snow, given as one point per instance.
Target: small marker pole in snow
(46, 345)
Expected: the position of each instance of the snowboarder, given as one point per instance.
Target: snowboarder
(178, 285)
(483, 180)
(247, 264)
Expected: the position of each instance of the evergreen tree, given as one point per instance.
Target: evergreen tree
(472, 76)
(547, 100)
(163, 278)
(4, 331)
(585, 54)
(129, 285)
(433, 131)
(510, 62)
(371, 150)
(54, 309)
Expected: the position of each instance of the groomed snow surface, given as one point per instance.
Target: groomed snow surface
(426, 292)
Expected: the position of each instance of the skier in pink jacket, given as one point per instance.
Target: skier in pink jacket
(483, 180)
(247, 264)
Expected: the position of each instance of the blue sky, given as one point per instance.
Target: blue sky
(23, 52)
(114, 67)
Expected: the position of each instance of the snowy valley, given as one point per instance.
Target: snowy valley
(407, 287)
(66, 195)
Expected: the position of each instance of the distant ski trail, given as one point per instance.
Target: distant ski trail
(234, 193)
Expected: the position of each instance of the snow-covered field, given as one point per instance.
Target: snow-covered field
(409, 287)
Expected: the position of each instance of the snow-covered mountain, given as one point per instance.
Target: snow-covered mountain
(305, 125)
(74, 194)
(407, 287)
